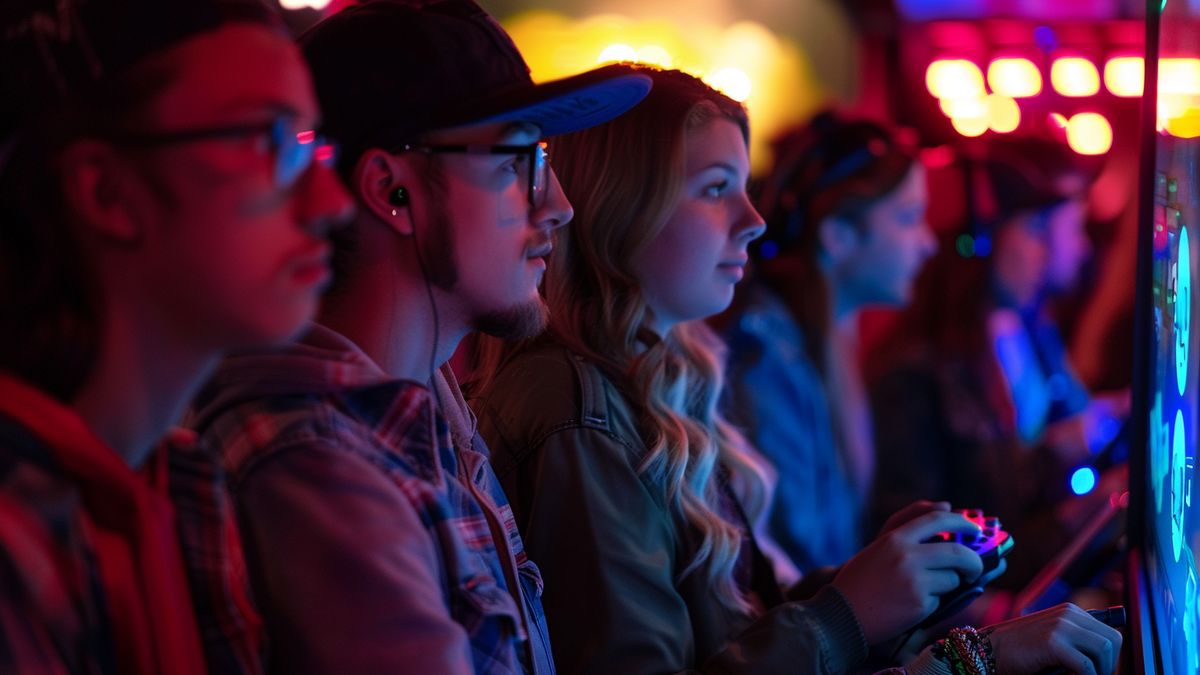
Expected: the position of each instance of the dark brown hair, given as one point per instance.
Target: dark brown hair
(50, 311)
(834, 166)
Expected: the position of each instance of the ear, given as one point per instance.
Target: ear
(377, 175)
(838, 237)
(95, 183)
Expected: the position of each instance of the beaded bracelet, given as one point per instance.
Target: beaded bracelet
(967, 652)
(985, 639)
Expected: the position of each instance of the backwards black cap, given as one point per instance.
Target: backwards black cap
(389, 70)
(52, 51)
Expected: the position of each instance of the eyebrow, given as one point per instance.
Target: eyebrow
(726, 166)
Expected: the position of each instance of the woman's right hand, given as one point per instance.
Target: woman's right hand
(1063, 636)
(896, 581)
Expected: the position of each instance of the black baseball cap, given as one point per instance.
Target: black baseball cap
(387, 71)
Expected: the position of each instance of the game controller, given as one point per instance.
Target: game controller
(991, 544)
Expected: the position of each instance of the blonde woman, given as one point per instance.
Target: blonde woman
(634, 496)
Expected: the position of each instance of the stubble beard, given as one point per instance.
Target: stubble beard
(521, 321)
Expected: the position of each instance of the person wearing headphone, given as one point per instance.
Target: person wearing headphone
(975, 395)
(375, 532)
(845, 210)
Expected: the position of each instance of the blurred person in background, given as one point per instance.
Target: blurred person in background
(845, 210)
(974, 395)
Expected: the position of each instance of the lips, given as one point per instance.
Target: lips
(312, 266)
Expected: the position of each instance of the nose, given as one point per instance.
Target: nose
(751, 226)
(322, 201)
(556, 210)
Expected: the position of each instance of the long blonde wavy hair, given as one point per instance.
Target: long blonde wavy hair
(625, 178)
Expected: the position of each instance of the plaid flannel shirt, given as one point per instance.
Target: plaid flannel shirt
(339, 474)
(90, 578)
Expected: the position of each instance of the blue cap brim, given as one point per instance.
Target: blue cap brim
(577, 103)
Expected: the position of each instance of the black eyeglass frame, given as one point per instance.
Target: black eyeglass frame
(536, 155)
(278, 132)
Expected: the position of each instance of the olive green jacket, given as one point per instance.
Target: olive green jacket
(612, 552)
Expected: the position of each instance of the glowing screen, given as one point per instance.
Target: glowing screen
(1174, 529)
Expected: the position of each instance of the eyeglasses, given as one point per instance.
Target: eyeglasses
(534, 155)
(293, 151)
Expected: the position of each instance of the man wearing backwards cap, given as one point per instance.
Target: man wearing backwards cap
(376, 533)
(159, 204)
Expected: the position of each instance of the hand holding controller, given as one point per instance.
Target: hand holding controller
(991, 544)
(899, 578)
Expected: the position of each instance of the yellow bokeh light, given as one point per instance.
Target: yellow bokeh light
(1125, 76)
(1003, 114)
(732, 82)
(744, 60)
(655, 56)
(1014, 78)
(1179, 76)
(1186, 125)
(1059, 120)
(1074, 76)
(970, 126)
(963, 107)
(1089, 133)
(617, 53)
(1175, 105)
(954, 78)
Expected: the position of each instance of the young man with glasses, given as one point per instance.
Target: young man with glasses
(160, 203)
(376, 534)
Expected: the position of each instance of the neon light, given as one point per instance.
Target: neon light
(966, 108)
(1179, 117)
(1083, 480)
(306, 137)
(1179, 76)
(1002, 113)
(1014, 78)
(970, 126)
(1074, 76)
(954, 78)
(1125, 76)
(301, 4)
(1089, 133)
